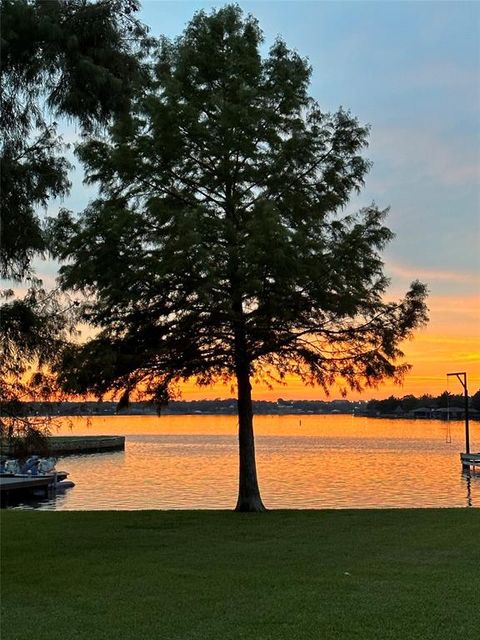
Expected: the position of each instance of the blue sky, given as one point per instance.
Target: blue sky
(410, 70)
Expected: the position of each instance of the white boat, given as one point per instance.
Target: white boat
(36, 467)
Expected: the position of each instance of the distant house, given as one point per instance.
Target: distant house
(453, 413)
(421, 412)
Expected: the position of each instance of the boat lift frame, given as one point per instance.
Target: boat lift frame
(462, 378)
(468, 459)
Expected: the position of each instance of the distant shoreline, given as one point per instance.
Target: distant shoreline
(296, 414)
(228, 407)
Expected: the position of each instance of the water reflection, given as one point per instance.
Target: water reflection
(471, 477)
(184, 462)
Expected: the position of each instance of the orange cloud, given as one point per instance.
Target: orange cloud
(404, 271)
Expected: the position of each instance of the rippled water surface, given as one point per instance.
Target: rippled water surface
(190, 462)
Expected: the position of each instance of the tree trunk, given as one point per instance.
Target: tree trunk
(248, 492)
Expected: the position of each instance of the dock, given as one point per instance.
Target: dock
(14, 486)
(71, 445)
(23, 485)
(470, 461)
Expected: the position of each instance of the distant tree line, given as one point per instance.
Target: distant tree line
(215, 406)
(410, 403)
(228, 406)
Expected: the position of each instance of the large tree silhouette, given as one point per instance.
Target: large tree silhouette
(218, 247)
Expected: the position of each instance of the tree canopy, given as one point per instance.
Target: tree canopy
(58, 58)
(219, 246)
(35, 329)
(67, 58)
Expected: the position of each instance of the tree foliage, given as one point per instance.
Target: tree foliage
(35, 330)
(408, 403)
(63, 58)
(69, 58)
(220, 246)
(475, 400)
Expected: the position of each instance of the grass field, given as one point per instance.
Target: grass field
(386, 574)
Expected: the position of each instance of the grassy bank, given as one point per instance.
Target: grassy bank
(389, 574)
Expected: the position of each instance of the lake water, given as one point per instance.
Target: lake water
(314, 462)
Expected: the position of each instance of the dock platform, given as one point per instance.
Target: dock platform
(71, 445)
(13, 486)
(470, 461)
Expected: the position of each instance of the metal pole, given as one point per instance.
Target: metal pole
(467, 415)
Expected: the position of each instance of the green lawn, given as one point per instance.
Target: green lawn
(203, 575)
